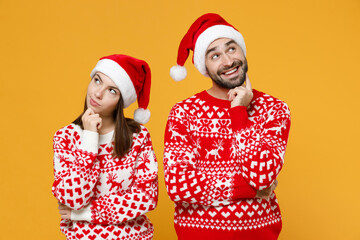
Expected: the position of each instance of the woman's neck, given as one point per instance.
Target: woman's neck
(107, 125)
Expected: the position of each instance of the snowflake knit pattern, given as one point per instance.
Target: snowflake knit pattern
(109, 195)
(215, 159)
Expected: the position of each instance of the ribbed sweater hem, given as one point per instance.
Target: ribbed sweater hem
(270, 232)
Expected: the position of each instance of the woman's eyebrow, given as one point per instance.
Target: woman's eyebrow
(98, 76)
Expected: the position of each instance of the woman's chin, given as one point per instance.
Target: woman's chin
(95, 110)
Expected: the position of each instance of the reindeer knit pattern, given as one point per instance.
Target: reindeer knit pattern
(109, 195)
(215, 159)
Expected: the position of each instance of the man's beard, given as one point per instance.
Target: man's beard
(234, 82)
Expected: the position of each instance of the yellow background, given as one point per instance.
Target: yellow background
(303, 52)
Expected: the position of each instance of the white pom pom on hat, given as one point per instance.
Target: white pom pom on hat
(142, 115)
(133, 78)
(200, 35)
(178, 73)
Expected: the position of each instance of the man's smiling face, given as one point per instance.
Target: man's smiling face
(226, 63)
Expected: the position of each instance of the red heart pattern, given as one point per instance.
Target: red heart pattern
(110, 190)
(215, 158)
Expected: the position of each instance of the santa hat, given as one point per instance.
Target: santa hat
(133, 78)
(200, 35)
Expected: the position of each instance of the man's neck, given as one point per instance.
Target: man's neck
(218, 92)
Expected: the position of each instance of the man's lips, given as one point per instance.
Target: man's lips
(230, 71)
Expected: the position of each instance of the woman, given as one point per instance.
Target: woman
(104, 164)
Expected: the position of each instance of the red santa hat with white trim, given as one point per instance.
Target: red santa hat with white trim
(200, 35)
(133, 78)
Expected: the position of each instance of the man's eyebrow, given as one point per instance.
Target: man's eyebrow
(214, 48)
(230, 42)
(210, 50)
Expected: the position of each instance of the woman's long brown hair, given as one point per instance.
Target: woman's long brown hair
(124, 129)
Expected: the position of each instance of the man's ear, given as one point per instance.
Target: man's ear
(206, 73)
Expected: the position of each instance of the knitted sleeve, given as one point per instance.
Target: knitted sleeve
(75, 169)
(183, 180)
(140, 198)
(261, 145)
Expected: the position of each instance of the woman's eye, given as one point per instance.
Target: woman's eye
(96, 80)
(112, 91)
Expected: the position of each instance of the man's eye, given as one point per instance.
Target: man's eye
(96, 80)
(232, 49)
(215, 56)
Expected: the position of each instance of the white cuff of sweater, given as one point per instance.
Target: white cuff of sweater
(90, 141)
(83, 214)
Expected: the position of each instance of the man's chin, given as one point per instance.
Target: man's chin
(225, 85)
(231, 83)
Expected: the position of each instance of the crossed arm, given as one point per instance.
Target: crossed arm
(119, 206)
(184, 182)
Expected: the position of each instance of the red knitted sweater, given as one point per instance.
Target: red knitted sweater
(109, 196)
(215, 159)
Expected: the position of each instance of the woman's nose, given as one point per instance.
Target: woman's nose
(99, 93)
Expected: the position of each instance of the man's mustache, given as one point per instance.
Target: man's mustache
(234, 64)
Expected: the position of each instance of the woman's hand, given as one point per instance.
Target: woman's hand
(91, 121)
(266, 193)
(64, 211)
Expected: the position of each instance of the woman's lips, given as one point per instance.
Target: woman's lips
(94, 103)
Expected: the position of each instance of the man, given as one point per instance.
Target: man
(224, 147)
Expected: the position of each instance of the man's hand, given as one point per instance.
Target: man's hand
(64, 211)
(266, 193)
(241, 96)
(91, 121)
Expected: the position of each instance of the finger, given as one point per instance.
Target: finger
(91, 111)
(231, 94)
(238, 92)
(65, 216)
(62, 212)
(62, 208)
(248, 83)
(276, 182)
(239, 89)
(99, 124)
(87, 112)
(92, 116)
(234, 92)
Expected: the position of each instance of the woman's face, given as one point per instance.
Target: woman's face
(102, 95)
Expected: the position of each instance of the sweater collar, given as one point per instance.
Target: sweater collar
(106, 138)
(205, 96)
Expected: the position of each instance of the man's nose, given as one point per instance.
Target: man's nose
(227, 61)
